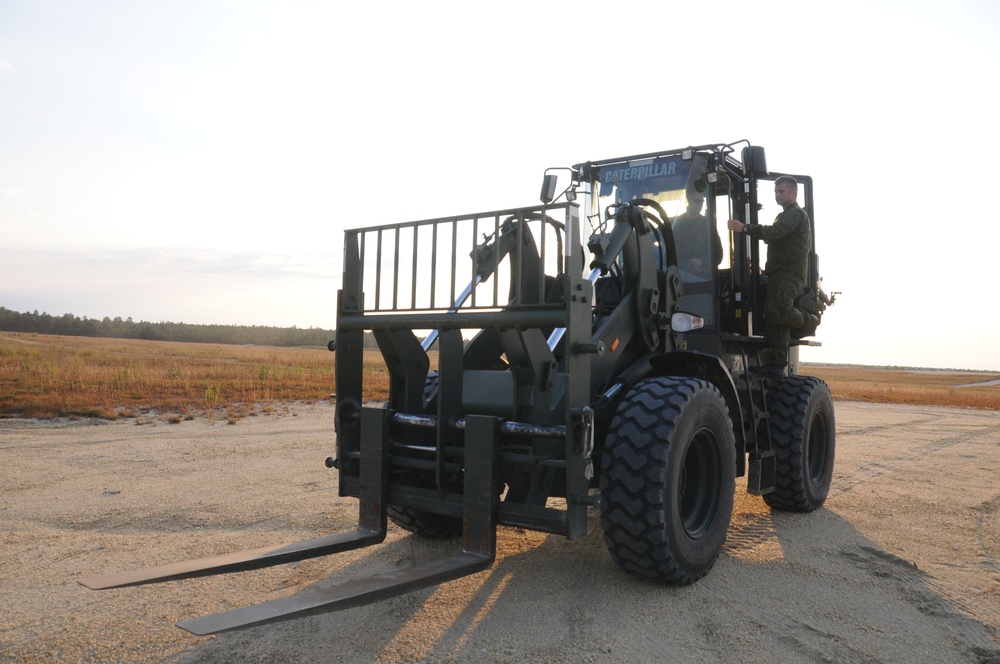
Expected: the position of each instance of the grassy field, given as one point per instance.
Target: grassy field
(45, 376)
(923, 387)
(48, 376)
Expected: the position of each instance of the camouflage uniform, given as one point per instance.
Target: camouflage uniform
(789, 240)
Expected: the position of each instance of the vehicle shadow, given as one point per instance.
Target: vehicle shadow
(787, 587)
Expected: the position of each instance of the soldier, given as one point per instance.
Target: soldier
(788, 240)
(697, 241)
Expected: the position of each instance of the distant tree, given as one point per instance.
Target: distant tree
(68, 324)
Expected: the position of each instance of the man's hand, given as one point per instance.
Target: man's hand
(736, 226)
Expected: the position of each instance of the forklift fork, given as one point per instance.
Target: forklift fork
(478, 541)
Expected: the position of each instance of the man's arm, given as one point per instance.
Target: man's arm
(785, 224)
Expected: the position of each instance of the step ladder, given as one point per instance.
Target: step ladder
(761, 471)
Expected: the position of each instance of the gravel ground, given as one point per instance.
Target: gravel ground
(902, 565)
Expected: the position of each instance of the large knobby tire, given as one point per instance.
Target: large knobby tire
(425, 524)
(667, 480)
(421, 522)
(803, 437)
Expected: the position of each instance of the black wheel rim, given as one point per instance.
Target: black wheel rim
(818, 447)
(699, 490)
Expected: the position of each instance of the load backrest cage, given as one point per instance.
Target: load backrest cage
(514, 273)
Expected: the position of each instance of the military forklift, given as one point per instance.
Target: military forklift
(591, 353)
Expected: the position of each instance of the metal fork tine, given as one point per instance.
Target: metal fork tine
(313, 601)
(239, 561)
(478, 553)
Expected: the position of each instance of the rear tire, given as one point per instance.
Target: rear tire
(667, 480)
(425, 524)
(803, 436)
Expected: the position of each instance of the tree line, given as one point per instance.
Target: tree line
(70, 325)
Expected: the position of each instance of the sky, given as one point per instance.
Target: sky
(198, 161)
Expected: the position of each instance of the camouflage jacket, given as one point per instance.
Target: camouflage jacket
(789, 240)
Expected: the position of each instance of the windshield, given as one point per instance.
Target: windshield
(678, 186)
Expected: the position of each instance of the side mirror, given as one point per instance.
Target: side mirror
(549, 188)
(754, 161)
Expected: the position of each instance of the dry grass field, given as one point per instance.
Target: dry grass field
(58, 376)
(43, 376)
(916, 387)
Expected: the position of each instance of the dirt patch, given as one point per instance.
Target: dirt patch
(903, 563)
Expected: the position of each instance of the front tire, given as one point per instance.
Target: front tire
(425, 524)
(421, 522)
(667, 480)
(803, 437)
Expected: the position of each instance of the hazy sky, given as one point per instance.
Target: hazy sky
(196, 161)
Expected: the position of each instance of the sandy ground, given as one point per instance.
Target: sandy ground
(902, 565)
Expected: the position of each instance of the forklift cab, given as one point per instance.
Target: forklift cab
(676, 187)
(699, 189)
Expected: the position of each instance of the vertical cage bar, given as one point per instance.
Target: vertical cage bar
(413, 270)
(454, 247)
(496, 260)
(434, 244)
(475, 261)
(543, 259)
(361, 269)
(519, 258)
(378, 271)
(395, 271)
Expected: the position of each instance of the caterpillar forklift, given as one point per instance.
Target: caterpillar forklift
(591, 353)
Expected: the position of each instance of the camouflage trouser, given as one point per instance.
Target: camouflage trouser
(781, 315)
